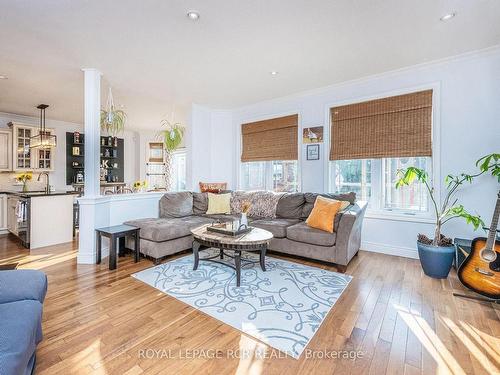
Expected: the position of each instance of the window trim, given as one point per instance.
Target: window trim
(436, 148)
(179, 151)
(239, 143)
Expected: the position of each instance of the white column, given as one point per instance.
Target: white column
(89, 207)
(92, 104)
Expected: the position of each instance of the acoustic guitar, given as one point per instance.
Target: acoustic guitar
(480, 271)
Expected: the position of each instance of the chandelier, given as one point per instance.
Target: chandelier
(43, 140)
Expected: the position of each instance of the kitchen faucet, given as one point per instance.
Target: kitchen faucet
(47, 186)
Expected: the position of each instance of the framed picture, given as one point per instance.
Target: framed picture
(312, 152)
(312, 135)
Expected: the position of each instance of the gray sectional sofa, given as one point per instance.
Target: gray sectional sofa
(182, 211)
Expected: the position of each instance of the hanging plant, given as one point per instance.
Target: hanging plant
(112, 119)
(172, 135)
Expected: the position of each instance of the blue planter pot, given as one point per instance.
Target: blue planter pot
(436, 261)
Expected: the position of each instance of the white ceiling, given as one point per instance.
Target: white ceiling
(155, 58)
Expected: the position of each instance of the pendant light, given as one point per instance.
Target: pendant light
(43, 140)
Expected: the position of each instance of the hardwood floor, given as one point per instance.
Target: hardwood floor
(98, 321)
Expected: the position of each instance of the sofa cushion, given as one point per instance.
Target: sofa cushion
(18, 285)
(310, 198)
(219, 203)
(323, 213)
(262, 203)
(276, 226)
(20, 332)
(165, 229)
(290, 206)
(200, 203)
(301, 232)
(176, 204)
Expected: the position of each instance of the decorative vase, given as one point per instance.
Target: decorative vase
(436, 261)
(25, 187)
(244, 219)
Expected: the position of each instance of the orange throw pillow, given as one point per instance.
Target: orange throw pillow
(323, 214)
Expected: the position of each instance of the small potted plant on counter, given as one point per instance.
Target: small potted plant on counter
(437, 253)
(24, 178)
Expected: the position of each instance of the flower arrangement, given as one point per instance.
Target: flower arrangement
(139, 185)
(245, 207)
(24, 178)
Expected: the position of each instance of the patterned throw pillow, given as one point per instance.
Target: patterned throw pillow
(212, 187)
(263, 203)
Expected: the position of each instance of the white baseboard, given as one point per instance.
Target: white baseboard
(90, 258)
(4, 231)
(407, 252)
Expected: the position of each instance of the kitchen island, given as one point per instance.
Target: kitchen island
(39, 218)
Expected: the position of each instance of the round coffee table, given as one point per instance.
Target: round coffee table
(254, 241)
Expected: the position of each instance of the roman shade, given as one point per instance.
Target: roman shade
(398, 126)
(273, 139)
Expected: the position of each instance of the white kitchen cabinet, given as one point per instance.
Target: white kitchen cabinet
(3, 212)
(24, 158)
(5, 150)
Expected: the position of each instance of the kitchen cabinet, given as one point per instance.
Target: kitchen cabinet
(3, 213)
(5, 150)
(24, 158)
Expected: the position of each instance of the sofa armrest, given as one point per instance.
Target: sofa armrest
(349, 233)
(18, 285)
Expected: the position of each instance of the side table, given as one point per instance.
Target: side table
(114, 233)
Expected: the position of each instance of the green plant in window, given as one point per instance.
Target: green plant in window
(450, 208)
(172, 136)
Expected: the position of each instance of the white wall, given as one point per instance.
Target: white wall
(131, 138)
(211, 147)
(468, 114)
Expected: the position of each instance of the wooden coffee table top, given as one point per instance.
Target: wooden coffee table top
(255, 236)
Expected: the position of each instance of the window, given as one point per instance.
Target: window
(156, 173)
(374, 180)
(178, 176)
(370, 141)
(276, 175)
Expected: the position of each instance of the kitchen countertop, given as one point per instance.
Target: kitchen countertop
(31, 194)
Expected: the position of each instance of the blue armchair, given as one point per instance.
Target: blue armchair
(22, 293)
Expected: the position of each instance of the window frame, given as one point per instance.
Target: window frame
(378, 213)
(179, 151)
(239, 146)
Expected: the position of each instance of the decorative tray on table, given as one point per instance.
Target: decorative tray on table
(230, 228)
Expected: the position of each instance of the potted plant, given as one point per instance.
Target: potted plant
(112, 119)
(172, 136)
(436, 254)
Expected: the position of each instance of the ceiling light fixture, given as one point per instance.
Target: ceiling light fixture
(44, 140)
(3, 76)
(193, 15)
(448, 16)
(274, 73)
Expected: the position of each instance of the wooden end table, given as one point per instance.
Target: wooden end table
(255, 241)
(114, 233)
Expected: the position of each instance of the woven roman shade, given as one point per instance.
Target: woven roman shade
(273, 139)
(398, 126)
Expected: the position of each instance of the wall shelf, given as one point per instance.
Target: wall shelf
(71, 170)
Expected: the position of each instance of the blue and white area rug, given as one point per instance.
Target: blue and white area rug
(283, 307)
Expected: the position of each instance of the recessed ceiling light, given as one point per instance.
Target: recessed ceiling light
(274, 73)
(2, 76)
(448, 16)
(193, 15)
